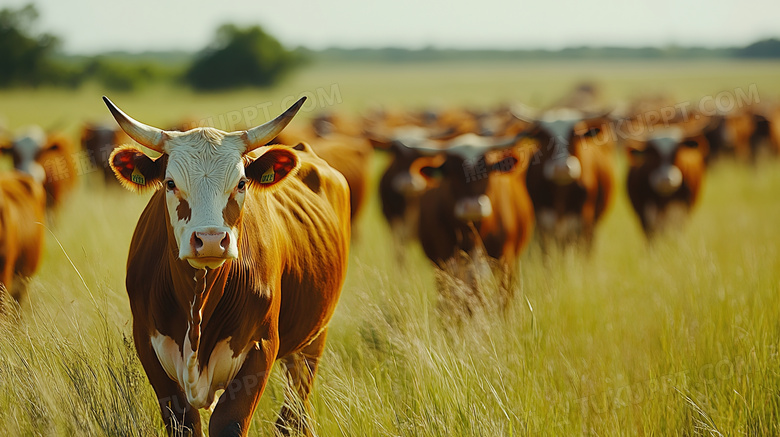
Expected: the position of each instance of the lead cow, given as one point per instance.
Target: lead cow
(237, 261)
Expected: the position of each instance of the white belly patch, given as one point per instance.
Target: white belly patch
(200, 385)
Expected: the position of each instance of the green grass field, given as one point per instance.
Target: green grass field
(677, 338)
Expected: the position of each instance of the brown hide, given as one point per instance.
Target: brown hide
(56, 158)
(278, 296)
(504, 233)
(651, 207)
(98, 142)
(585, 199)
(22, 202)
(351, 156)
(749, 129)
(401, 209)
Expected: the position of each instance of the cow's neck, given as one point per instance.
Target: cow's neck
(198, 292)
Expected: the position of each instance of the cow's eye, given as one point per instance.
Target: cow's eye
(170, 184)
(592, 132)
(241, 185)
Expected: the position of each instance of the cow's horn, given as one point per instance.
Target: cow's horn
(260, 135)
(595, 115)
(144, 135)
(524, 113)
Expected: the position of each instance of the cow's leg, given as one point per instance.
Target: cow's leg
(19, 292)
(301, 367)
(507, 268)
(6, 282)
(233, 413)
(179, 416)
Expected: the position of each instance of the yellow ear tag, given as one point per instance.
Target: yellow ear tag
(137, 177)
(268, 177)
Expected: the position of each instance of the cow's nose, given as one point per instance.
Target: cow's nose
(210, 244)
(563, 171)
(408, 185)
(666, 180)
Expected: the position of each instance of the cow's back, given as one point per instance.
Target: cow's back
(352, 158)
(313, 209)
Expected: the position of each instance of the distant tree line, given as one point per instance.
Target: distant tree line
(238, 57)
(769, 48)
(242, 57)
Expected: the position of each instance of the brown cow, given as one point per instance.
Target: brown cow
(49, 160)
(570, 179)
(774, 127)
(479, 203)
(349, 155)
(665, 176)
(22, 205)
(98, 141)
(237, 261)
(401, 185)
(328, 123)
(749, 133)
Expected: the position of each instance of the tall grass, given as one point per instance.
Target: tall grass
(675, 338)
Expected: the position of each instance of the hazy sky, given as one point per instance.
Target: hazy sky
(89, 26)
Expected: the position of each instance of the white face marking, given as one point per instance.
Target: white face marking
(468, 146)
(559, 130)
(206, 166)
(26, 146)
(559, 123)
(200, 385)
(665, 141)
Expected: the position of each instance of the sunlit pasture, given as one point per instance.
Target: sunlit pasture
(675, 338)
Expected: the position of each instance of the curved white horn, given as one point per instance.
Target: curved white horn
(524, 113)
(260, 135)
(144, 135)
(424, 147)
(594, 115)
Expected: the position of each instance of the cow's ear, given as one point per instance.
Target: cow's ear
(636, 155)
(34, 188)
(506, 164)
(6, 146)
(379, 142)
(429, 167)
(55, 143)
(273, 166)
(136, 171)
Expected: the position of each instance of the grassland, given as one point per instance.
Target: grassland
(677, 338)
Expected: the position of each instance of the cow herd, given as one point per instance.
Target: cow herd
(239, 257)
